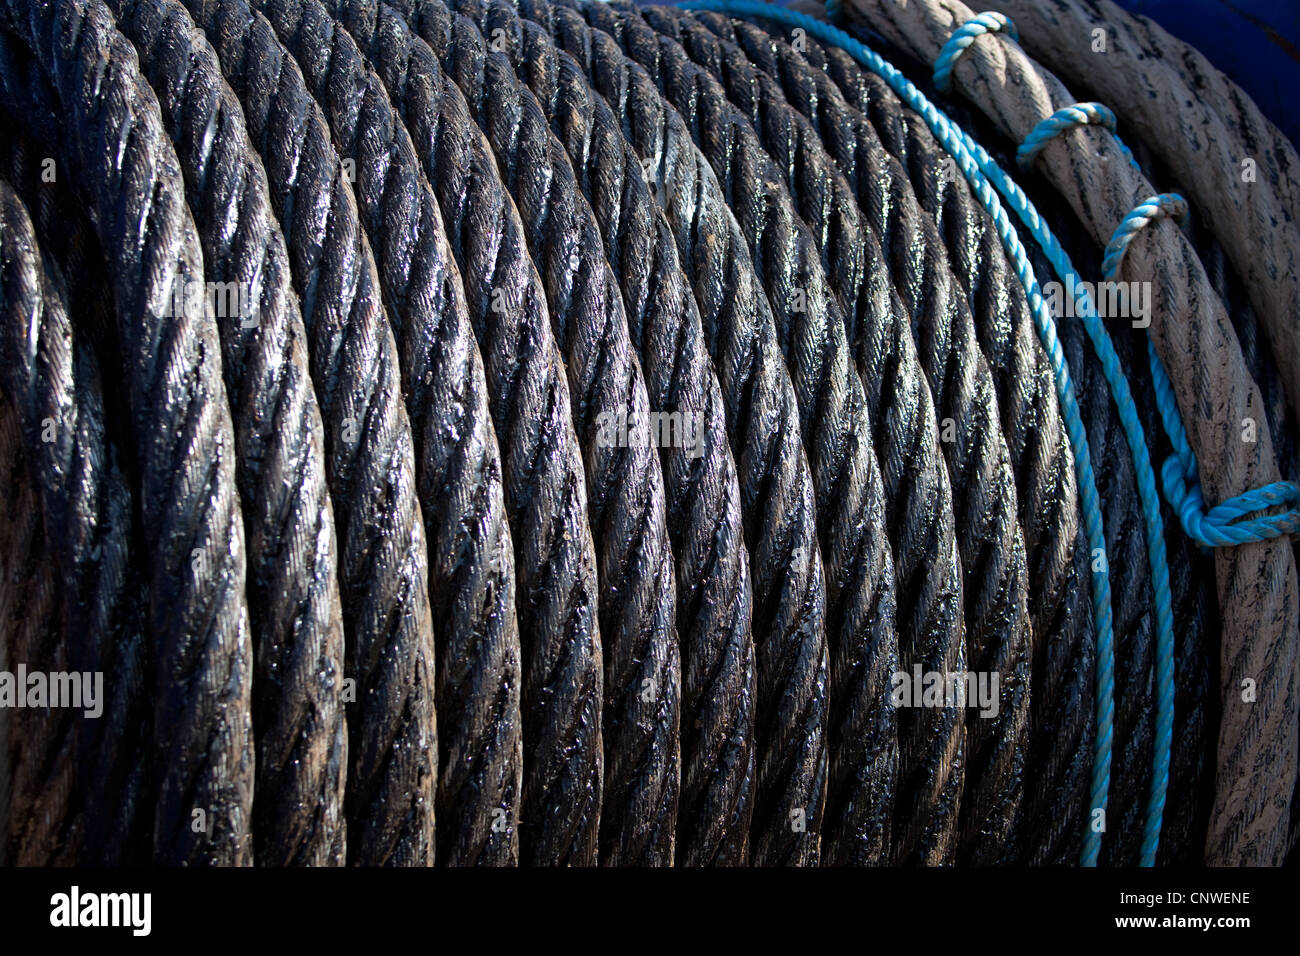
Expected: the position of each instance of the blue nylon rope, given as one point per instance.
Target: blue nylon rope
(1067, 117)
(961, 38)
(1236, 520)
(969, 160)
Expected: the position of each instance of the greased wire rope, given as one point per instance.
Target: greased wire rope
(679, 252)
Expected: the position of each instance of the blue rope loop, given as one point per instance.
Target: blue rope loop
(978, 168)
(964, 36)
(1165, 205)
(1238, 520)
(1067, 117)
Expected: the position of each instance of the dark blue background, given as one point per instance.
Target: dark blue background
(1256, 42)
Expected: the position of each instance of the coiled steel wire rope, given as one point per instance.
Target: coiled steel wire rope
(383, 573)
(201, 746)
(473, 235)
(294, 609)
(641, 716)
(761, 408)
(997, 632)
(458, 469)
(545, 486)
(704, 498)
(87, 509)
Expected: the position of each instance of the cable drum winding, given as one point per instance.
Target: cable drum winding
(369, 447)
(197, 614)
(544, 483)
(625, 484)
(761, 408)
(88, 505)
(294, 608)
(625, 407)
(704, 498)
(928, 298)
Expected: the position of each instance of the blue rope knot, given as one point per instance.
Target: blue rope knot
(1067, 117)
(964, 36)
(1237, 520)
(1229, 524)
(1232, 522)
(1169, 205)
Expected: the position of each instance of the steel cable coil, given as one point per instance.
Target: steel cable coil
(622, 411)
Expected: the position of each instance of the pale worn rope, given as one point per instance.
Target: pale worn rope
(1194, 619)
(762, 423)
(624, 484)
(197, 620)
(1205, 129)
(545, 491)
(294, 605)
(713, 588)
(458, 465)
(1257, 588)
(53, 376)
(369, 448)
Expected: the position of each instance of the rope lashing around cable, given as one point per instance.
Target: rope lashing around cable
(630, 418)
(1237, 520)
(1068, 117)
(964, 36)
(1281, 492)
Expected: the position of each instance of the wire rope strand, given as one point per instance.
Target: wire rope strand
(369, 448)
(545, 490)
(703, 492)
(294, 605)
(761, 406)
(458, 466)
(197, 620)
(624, 480)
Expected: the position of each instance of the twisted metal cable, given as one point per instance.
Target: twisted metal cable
(703, 493)
(828, 88)
(987, 530)
(369, 449)
(832, 402)
(197, 618)
(39, 745)
(762, 422)
(52, 375)
(1187, 599)
(625, 484)
(458, 465)
(1063, 624)
(39, 399)
(544, 489)
(918, 494)
(294, 604)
